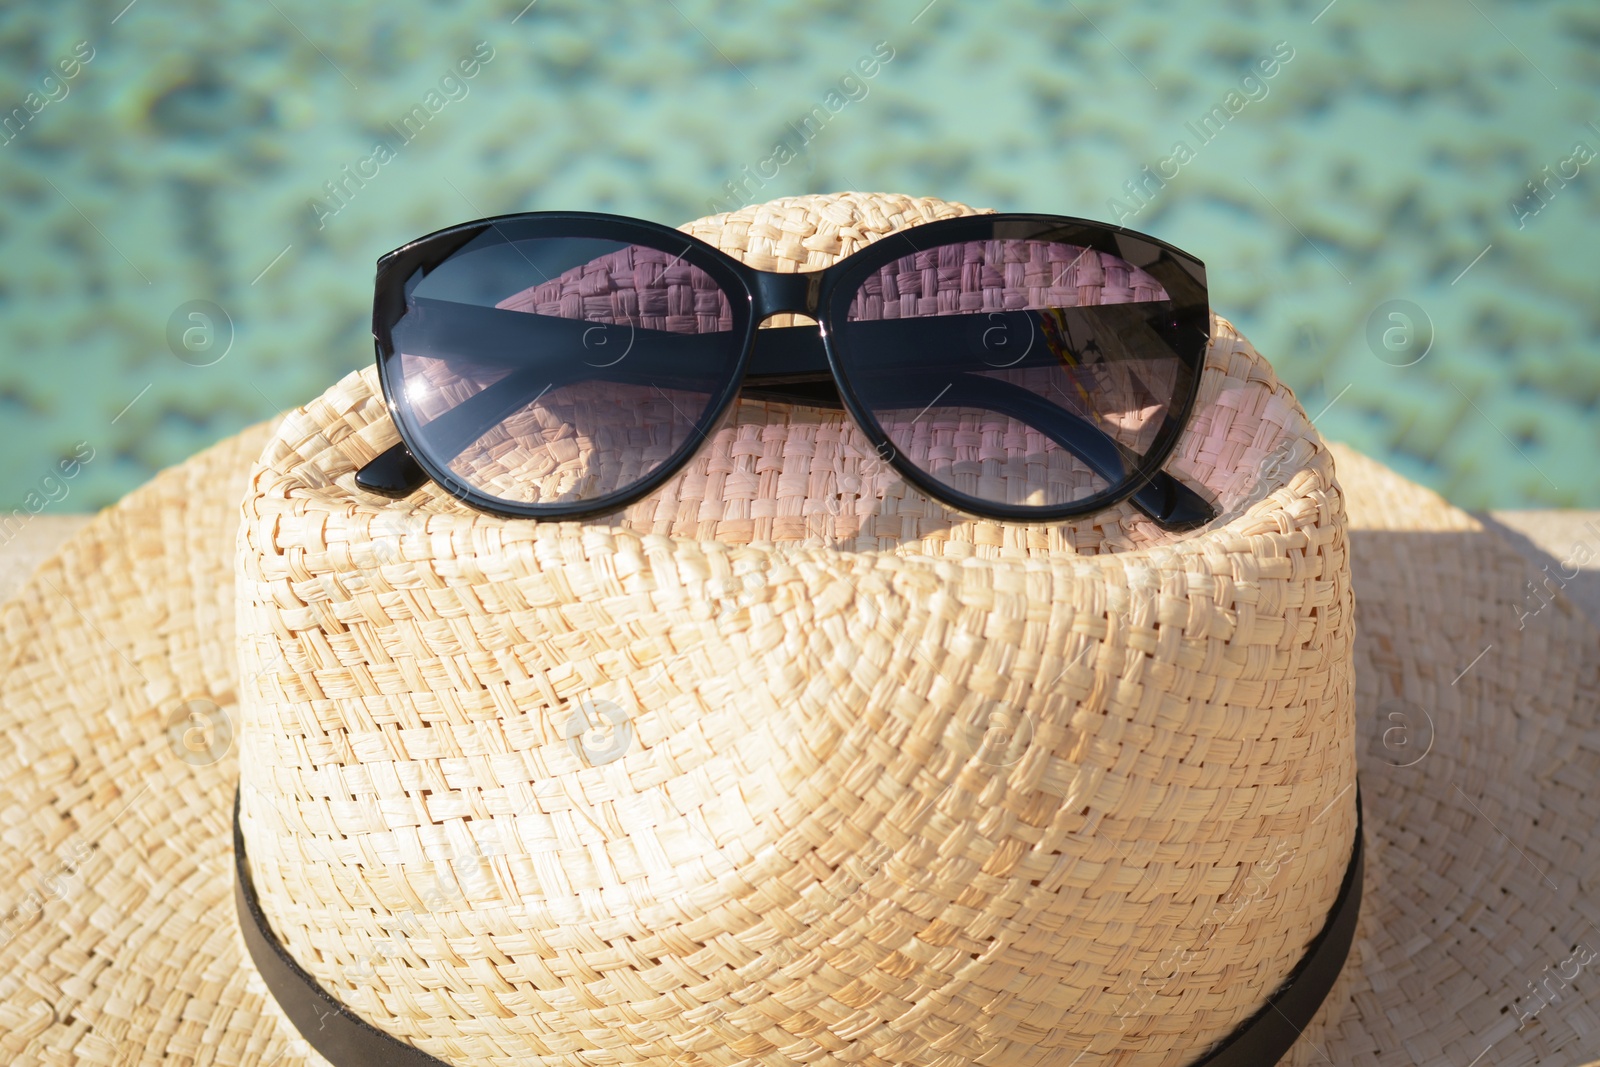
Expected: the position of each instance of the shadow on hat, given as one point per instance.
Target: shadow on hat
(789, 764)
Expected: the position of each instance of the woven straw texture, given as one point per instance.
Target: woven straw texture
(118, 942)
(927, 791)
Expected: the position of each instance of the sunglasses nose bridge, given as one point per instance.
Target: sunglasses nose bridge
(795, 293)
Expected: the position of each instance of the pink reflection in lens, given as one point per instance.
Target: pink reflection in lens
(1005, 298)
(579, 440)
(638, 286)
(1001, 275)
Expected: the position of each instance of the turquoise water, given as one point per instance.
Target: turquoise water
(183, 251)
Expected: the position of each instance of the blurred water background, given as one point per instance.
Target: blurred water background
(1402, 215)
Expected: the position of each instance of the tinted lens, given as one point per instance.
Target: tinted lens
(561, 370)
(1023, 372)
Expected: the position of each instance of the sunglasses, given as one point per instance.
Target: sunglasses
(563, 365)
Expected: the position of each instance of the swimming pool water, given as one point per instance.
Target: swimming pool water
(1402, 214)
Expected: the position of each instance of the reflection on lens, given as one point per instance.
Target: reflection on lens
(561, 370)
(1024, 372)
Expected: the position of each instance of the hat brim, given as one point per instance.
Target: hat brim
(119, 942)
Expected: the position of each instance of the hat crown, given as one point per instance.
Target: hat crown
(787, 761)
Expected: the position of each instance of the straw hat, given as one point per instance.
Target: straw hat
(788, 764)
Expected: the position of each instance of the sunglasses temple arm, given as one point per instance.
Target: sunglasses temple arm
(1165, 500)
(393, 473)
(396, 472)
(1172, 505)
(785, 356)
(790, 365)
(1169, 503)
(440, 328)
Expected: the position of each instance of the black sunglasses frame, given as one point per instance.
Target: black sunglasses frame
(802, 364)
